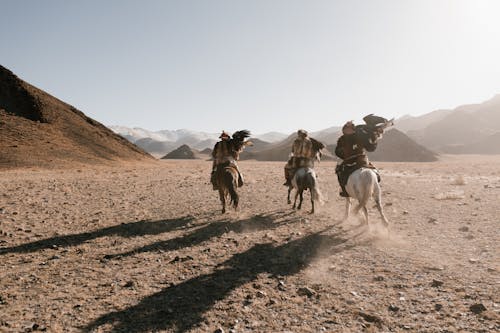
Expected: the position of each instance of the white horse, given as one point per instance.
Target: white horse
(303, 179)
(362, 185)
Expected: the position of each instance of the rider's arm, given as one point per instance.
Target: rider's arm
(339, 151)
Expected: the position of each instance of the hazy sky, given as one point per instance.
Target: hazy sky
(270, 65)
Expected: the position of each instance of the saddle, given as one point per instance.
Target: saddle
(344, 170)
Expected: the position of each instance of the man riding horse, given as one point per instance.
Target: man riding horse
(226, 152)
(353, 145)
(304, 151)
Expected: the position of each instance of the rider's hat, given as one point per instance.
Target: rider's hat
(224, 135)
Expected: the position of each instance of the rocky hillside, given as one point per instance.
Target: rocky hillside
(39, 130)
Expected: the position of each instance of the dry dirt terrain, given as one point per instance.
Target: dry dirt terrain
(144, 248)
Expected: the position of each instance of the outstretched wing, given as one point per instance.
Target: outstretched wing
(238, 139)
(317, 145)
(377, 122)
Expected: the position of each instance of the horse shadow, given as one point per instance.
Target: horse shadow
(180, 308)
(128, 230)
(214, 230)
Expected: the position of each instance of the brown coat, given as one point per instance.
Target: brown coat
(350, 148)
(303, 147)
(223, 152)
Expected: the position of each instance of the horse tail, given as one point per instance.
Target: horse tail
(231, 179)
(316, 194)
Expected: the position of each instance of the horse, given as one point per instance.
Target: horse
(361, 185)
(227, 175)
(227, 183)
(304, 178)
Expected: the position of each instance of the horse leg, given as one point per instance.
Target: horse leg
(222, 200)
(365, 214)
(301, 194)
(288, 198)
(295, 199)
(312, 202)
(378, 201)
(347, 207)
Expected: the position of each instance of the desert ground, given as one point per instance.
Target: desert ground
(145, 248)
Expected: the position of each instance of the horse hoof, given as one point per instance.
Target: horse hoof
(289, 201)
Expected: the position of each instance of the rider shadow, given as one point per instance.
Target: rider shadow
(213, 230)
(127, 230)
(180, 308)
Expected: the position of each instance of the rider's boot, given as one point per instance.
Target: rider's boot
(343, 192)
(288, 177)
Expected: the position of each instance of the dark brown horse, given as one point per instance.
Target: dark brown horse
(227, 182)
(226, 175)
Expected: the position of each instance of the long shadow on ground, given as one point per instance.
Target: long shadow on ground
(212, 230)
(132, 229)
(181, 307)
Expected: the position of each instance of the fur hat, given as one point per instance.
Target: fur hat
(224, 134)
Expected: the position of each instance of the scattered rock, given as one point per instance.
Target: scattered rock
(436, 283)
(464, 229)
(477, 308)
(371, 318)
(432, 220)
(393, 308)
(438, 307)
(305, 291)
(128, 284)
(219, 330)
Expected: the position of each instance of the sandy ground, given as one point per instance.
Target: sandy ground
(146, 249)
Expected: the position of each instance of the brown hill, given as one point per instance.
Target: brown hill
(38, 130)
(396, 146)
(185, 152)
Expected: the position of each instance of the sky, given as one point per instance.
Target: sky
(264, 65)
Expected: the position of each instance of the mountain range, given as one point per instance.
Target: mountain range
(467, 129)
(39, 130)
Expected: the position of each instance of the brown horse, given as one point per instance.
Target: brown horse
(227, 183)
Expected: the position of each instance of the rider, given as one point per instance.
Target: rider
(304, 150)
(352, 147)
(224, 152)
